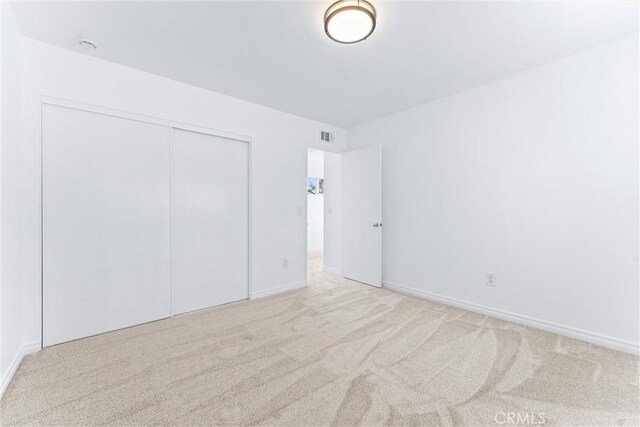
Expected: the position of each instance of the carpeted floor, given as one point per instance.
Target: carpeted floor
(334, 353)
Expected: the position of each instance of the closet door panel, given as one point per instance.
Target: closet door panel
(210, 183)
(106, 223)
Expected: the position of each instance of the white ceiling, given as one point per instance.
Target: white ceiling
(276, 53)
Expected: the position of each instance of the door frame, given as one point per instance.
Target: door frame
(170, 125)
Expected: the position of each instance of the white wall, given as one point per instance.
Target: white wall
(2, 65)
(279, 152)
(11, 295)
(315, 205)
(333, 212)
(533, 177)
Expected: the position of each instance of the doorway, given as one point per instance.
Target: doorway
(315, 211)
(324, 213)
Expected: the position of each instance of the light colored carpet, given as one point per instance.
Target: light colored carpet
(315, 264)
(334, 353)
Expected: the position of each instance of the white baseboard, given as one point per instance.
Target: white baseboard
(331, 270)
(15, 364)
(278, 290)
(567, 331)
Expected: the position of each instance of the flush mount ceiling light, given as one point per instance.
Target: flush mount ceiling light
(350, 21)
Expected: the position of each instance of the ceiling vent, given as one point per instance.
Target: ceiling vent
(326, 136)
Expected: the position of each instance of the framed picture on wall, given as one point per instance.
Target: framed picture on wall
(312, 185)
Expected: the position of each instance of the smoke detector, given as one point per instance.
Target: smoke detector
(87, 43)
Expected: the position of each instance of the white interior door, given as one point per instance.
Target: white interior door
(210, 184)
(362, 228)
(106, 223)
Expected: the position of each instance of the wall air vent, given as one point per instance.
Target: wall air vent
(326, 136)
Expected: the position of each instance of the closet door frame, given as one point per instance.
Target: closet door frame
(171, 125)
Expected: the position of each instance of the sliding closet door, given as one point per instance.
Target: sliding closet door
(210, 183)
(106, 223)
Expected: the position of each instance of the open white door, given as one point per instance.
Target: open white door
(362, 232)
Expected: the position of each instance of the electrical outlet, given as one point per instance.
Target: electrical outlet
(285, 264)
(490, 279)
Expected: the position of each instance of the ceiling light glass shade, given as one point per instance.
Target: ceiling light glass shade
(350, 21)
